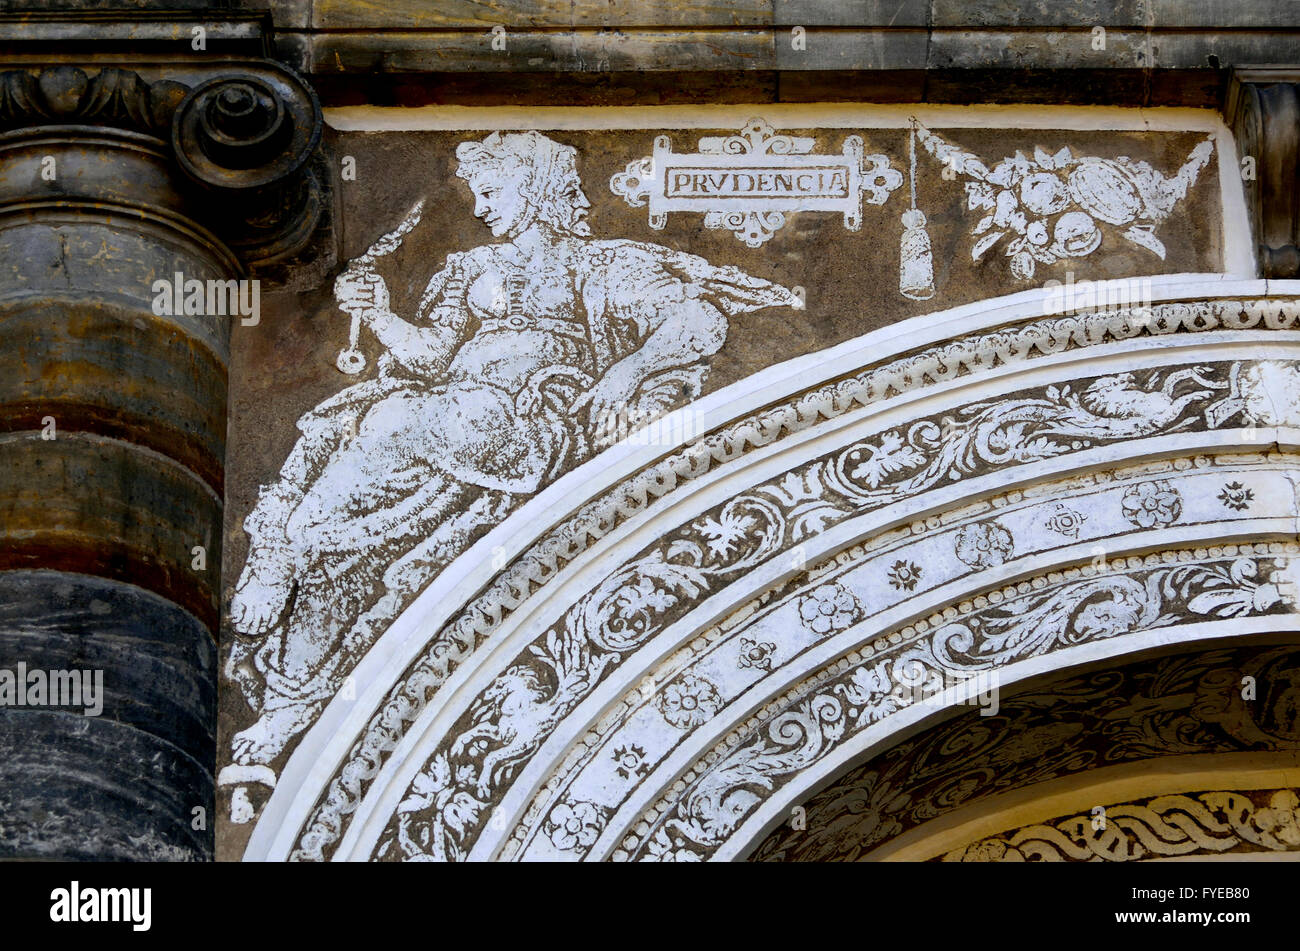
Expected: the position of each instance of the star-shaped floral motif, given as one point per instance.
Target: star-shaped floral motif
(723, 535)
(904, 575)
(631, 761)
(1236, 496)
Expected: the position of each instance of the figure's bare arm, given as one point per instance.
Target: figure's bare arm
(426, 350)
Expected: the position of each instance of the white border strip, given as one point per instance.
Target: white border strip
(783, 114)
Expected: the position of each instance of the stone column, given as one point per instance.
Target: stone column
(116, 186)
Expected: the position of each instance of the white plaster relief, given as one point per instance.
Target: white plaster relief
(631, 601)
(1118, 390)
(859, 693)
(1238, 247)
(1057, 205)
(519, 351)
(861, 576)
(964, 355)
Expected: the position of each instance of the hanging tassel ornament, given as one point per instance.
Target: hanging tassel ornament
(916, 262)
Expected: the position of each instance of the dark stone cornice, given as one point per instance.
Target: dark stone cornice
(1114, 52)
(413, 52)
(38, 33)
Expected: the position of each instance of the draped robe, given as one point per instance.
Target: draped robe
(395, 476)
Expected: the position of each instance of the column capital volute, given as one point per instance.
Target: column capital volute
(244, 134)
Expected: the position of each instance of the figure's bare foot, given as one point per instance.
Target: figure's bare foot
(264, 740)
(262, 593)
(252, 746)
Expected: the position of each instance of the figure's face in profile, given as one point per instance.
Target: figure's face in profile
(579, 201)
(498, 202)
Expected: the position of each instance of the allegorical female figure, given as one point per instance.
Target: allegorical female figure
(516, 351)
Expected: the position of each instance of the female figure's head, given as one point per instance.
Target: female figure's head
(521, 179)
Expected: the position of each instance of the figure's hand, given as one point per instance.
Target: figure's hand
(610, 400)
(361, 293)
(261, 595)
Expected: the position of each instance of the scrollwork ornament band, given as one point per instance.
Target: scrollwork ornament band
(1206, 823)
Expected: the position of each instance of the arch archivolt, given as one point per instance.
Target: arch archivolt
(1173, 806)
(1054, 436)
(696, 575)
(1179, 720)
(858, 644)
(714, 808)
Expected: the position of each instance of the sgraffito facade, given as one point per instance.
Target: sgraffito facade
(448, 449)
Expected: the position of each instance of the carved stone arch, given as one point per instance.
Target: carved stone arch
(860, 697)
(667, 835)
(490, 686)
(1158, 756)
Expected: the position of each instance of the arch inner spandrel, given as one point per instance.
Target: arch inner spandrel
(484, 565)
(1233, 807)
